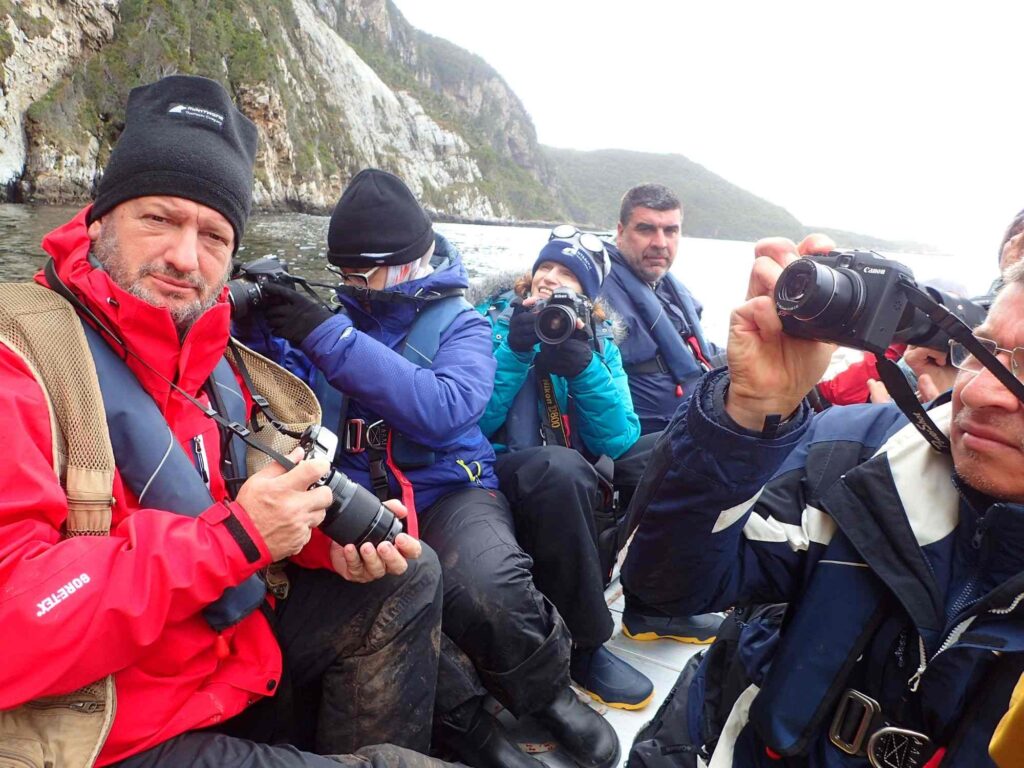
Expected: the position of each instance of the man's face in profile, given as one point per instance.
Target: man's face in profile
(168, 251)
(649, 241)
(987, 434)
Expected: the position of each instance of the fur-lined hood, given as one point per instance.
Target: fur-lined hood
(486, 288)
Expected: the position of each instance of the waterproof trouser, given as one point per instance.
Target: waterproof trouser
(514, 638)
(360, 668)
(553, 492)
(203, 749)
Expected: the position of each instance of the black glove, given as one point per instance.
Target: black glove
(522, 329)
(567, 359)
(292, 314)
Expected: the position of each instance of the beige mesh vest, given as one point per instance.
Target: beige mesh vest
(43, 329)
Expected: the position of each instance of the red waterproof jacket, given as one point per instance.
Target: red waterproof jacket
(138, 616)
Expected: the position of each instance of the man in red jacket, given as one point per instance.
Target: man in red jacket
(332, 666)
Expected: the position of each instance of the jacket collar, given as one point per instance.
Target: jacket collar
(148, 331)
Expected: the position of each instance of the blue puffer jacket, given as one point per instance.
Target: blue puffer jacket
(597, 401)
(903, 583)
(438, 407)
(648, 337)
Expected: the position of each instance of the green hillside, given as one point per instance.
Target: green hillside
(591, 184)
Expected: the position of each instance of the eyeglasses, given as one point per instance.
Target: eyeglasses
(346, 276)
(961, 357)
(588, 241)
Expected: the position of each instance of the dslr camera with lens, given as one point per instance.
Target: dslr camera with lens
(356, 515)
(860, 299)
(245, 286)
(557, 315)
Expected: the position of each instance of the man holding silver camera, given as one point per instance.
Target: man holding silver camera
(903, 565)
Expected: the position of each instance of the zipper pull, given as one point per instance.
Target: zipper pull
(201, 461)
(915, 679)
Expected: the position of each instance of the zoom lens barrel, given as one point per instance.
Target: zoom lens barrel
(555, 323)
(819, 295)
(356, 515)
(245, 295)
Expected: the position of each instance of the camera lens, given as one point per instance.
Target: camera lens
(819, 295)
(357, 516)
(555, 323)
(244, 295)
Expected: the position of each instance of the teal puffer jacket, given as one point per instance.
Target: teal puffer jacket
(597, 401)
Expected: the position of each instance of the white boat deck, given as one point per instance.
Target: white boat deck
(660, 660)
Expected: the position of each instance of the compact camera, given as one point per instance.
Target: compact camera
(557, 315)
(859, 299)
(245, 290)
(356, 515)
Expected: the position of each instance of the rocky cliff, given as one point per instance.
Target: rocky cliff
(333, 85)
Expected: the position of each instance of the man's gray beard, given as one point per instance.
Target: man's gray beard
(107, 250)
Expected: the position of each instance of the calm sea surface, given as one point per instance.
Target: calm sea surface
(714, 270)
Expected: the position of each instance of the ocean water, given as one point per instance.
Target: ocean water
(715, 271)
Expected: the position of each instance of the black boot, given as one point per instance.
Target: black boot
(481, 741)
(589, 739)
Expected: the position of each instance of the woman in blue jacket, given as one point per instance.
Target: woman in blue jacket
(403, 368)
(555, 409)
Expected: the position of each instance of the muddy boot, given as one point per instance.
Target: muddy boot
(589, 739)
(475, 737)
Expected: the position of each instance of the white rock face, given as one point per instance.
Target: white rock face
(343, 103)
(76, 29)
(385, 128)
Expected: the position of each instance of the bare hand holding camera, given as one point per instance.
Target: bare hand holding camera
(283, 507)
(367, 563)
(770, 372)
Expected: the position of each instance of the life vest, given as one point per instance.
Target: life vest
(654, 336)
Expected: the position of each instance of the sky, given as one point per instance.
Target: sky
(899, 119)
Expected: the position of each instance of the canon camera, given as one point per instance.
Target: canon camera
(245, 290)
(859, 299)
(356, 515)
(557, 315)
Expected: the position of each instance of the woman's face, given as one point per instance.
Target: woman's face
(549, 276)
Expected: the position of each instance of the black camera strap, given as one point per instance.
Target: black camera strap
(553, 426)
(234, 427)
(958, 330)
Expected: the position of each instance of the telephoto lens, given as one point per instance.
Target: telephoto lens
(356, 515)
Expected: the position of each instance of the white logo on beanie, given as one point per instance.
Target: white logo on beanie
(200, 114)
(579, 255)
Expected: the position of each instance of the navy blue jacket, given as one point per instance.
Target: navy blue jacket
(902, 582)
(358, 352)
(654, 394)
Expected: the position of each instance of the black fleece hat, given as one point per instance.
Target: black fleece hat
(182, 137)
(377, 221)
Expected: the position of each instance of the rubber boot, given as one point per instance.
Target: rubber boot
(587, 737)
(610, 680)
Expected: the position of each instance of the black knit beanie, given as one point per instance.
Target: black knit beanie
(184, 138)
(377, 221)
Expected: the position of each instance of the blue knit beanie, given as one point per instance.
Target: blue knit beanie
(590, 268)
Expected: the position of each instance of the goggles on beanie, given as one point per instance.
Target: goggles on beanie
(586, 241)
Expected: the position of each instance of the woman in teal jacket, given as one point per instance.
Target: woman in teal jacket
(560, 406)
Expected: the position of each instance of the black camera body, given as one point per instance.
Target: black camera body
(244, 288)
(557, 315)
(356, 515)
(859, 299)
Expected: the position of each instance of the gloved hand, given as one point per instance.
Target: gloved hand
(522, 333)
(292, 314)
(567, 359)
